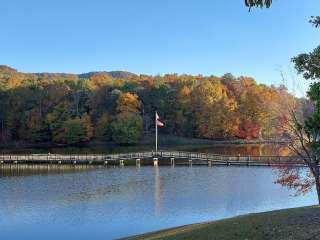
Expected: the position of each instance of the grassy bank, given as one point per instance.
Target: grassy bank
(298, 223)
(168, 140)
(165, 141)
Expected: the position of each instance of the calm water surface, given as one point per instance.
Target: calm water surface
(112, 203)
(227, 149)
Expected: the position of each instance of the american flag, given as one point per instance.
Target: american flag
(158, 122)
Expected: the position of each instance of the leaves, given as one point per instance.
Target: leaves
(128, 102)
(77, 130)
(308, 64)
(258, 3)
(65, 108)
(102, 129)
(315, 21)
(295, 178)
(305, 131)
(127, 128)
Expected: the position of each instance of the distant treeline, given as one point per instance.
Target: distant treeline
(120, 107)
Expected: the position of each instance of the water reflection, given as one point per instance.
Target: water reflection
(109, 203)
(247, 150)
(157, 190)
(13, 170)
(227, 149)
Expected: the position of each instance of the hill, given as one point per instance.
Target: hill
(113, 74)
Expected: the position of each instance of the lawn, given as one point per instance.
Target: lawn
(297, 223)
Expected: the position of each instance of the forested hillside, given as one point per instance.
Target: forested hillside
(120, 106)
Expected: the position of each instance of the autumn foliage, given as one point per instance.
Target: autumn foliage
(298, 179)
(69, 108)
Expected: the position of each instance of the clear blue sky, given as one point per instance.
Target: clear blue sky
(156, 36)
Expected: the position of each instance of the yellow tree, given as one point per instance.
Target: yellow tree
(254, 114)
(184, 119)
(127, 128)
(215, 111)
(87, 126)
(128, 102)
(99, 80)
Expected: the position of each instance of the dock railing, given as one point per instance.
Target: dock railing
(163, 154)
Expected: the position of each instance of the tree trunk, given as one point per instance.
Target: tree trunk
(318, 191)
(2, 130)
(317, 178)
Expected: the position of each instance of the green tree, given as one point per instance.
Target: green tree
(103, 129)
(77, 130)
(73, 131)
(305, 133)
(127, 128)
(37, 130)
(79, 97)
(56, 120)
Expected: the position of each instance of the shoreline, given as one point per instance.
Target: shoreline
(293, 223)
(164, 140)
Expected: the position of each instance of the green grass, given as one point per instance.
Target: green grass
(298, 223)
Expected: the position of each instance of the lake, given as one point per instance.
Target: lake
(110, 203)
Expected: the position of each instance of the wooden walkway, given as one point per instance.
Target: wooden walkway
(149, 158)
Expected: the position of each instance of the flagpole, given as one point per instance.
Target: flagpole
(156, 132)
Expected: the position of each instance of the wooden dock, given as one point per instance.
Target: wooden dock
(148, 158)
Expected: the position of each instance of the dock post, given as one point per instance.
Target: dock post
(172, 162)
(121, 163)
(209, 163)
(155, 162)
(138, 162)
(190, 162)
